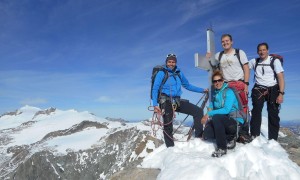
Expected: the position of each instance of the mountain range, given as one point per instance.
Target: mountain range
(66, 144)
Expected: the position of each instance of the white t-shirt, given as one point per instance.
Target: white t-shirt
(230, 65)
(266, 78)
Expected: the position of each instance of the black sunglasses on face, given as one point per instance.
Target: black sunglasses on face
(218, 80)
(171, 55)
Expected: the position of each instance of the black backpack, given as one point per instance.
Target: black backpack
(237, 54)
(273, 57)
(155, 70)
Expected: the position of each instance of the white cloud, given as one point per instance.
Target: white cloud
(105, 99)
(33, 101)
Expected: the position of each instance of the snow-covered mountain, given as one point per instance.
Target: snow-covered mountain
(56, 144)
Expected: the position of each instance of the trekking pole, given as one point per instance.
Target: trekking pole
(202, 107)
(188, 115)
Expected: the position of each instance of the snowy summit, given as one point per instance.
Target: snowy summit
(78, 145)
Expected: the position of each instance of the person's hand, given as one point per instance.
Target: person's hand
(208, 55)
(204, 119)
(205, 90)
(246, 89)
(157, 110)
(279, 99)
(208, 108)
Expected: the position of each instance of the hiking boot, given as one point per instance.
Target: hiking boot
(219, 152)
(231, 144)
(244, 138)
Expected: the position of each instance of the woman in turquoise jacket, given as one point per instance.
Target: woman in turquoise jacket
(222, 118)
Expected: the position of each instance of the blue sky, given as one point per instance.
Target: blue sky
(98, 55)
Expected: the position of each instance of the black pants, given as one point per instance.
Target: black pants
(222, 128)
(259, 95)
(185, 107)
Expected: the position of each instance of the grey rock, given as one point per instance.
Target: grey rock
(291, 143)
(46, 112)
(76, 128)
(14, 113)
(99, 162)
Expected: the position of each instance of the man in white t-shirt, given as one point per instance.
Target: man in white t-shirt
(269, 86)
(232, 68)
(234, 65)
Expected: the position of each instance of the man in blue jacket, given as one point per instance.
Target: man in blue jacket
(170, 100)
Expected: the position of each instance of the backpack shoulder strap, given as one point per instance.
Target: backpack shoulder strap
(166, 74)
(220, 56)
(179, 74)
(237, 53)
(256, 63)
(255, 66)
(224, 96)
(272, 59)
(219, 59)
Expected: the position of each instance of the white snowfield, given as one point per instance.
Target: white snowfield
(260, 159)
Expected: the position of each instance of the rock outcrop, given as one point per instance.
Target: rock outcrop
(291, 143)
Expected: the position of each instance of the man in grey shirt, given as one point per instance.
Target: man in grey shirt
(234, 65)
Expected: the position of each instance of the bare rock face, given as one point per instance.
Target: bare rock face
(74, 129)
(291, 143)
(14, 113)
(46, 112)
(99, 162)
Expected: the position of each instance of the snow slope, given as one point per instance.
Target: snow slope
(260, 159)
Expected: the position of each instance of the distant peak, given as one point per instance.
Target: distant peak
(27, 107)
(46, 112)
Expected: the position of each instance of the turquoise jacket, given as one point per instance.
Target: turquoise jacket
(172, 87)
(221, 106)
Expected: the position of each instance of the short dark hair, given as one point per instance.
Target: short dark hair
(262, 44)
(226, 35)
(217, 73)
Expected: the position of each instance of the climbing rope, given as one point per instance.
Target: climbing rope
(158, 124)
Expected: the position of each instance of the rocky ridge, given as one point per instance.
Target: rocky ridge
(291, 143)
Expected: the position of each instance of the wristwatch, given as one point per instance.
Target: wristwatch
(281, 92)
(247, 83)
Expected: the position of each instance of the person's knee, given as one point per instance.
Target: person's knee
(232, 129)
(216, 117)
(197, 113)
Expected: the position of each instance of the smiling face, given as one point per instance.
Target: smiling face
(263, 51)
(226, 42)
(171, 64)
(218, 81)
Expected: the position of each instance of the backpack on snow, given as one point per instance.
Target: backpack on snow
(272, 59)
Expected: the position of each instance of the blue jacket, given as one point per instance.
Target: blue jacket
(221, 106)
(172, 87)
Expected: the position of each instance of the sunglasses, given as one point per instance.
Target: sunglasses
(171, 55)
(218, 80)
